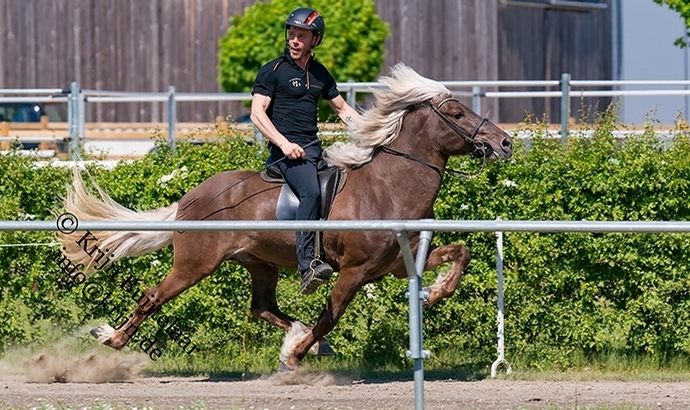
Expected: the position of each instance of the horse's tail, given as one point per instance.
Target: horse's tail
(95, 250)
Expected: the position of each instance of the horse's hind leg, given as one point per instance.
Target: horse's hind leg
(446, 282)
(265, 306)
(186, 272)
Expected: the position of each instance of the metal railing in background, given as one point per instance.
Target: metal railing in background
(78, 98)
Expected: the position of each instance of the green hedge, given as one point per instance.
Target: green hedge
(566, 295)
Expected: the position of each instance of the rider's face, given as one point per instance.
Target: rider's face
(300, 41)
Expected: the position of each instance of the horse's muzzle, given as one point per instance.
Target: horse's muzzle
(481, 149)
(507, 147)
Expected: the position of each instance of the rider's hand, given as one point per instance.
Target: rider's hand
(292, 151)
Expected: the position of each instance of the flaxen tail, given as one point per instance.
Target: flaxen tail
(98, 249)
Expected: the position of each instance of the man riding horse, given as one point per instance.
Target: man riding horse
(284, 103)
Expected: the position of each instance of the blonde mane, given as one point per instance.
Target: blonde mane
(381, 124)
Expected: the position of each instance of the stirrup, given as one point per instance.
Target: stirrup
(313, 277)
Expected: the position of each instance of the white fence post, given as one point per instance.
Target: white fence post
(172, 120)
(499, 317)
(565, 106)
(73, 108)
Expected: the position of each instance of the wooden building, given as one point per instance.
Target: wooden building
(128, 45)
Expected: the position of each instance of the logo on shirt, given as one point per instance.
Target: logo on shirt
(296, 82)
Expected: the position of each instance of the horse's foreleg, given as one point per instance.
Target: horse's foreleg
(446, 282)
(301, 339)
(265, 306)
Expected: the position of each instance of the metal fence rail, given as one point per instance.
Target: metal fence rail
(400, 228)
(476, 90)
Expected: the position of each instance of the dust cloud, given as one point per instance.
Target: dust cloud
(89, 368)
(312, 379)
(70, 358)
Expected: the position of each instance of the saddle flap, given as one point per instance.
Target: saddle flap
(328, 184)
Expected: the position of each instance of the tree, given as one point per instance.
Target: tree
(681, 7)
(352, 46)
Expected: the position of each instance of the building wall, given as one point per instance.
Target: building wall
(119, 45)
(543, 43)
(129, 45)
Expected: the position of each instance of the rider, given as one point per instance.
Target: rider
(284, 108)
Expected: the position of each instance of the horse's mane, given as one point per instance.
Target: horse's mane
(381, 124)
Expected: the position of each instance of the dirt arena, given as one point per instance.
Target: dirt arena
(310, 391)
(114, 381)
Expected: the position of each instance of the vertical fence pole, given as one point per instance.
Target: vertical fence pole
(351, 96)
(171, 117)
(476, 99)
(415, 296)
(499, 317)
(81, 101)
(73, 110)
(565, 106)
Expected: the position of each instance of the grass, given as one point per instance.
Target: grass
(240, 362)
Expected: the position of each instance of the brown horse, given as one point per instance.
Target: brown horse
(395, 165)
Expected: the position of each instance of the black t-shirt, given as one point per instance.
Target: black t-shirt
(294, 96)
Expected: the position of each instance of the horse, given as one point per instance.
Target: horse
(395, 161)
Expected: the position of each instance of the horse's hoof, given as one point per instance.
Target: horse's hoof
(322, 348)
(283, 368)
(103, 333)
(426, 303)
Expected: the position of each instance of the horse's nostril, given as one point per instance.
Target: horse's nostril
(506, 144)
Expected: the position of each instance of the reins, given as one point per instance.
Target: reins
(478, 150)
(408, 156)
(453, 172)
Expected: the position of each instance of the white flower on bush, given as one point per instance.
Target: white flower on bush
(464, 207)
(614, 161)
(509, 183)
(370, 288)
(176, 173)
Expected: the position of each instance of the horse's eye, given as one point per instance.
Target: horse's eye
(458, 115)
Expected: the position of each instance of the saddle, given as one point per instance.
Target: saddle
(331, 182)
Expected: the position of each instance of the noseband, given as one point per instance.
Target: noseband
(478, 149)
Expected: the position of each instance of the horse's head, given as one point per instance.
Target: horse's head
(459, 130)
(453, 128)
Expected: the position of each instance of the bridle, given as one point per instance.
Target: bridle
(478, 149)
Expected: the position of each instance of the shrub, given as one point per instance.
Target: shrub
(567, 294)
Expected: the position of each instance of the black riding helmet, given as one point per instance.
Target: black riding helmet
(309, 19)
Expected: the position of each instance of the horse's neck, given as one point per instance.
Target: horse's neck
(410, 185)
(415, 140)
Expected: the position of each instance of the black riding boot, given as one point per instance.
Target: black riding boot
(318, 272)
